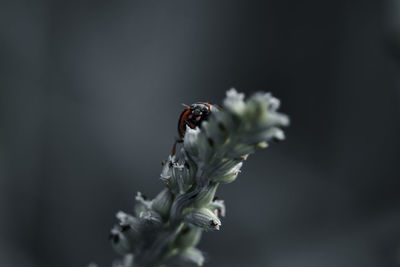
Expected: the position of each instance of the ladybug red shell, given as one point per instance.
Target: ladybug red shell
(193, 116)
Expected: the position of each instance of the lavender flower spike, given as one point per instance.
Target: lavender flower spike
(164, 231)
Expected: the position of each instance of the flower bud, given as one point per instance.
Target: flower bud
(128, 224)
(150, 219)
(218, 206)
(142, 204)
(126, 234)
(197, 145)
(183, 176)
(190, 141)
(217, 135)
(230, 175)
(142, 199)
(138, 208)
(166, 170)
(119, 241)
(234, 102)
(203, 218)
(205, 195)
(162, 203)
(178, 174)
(188, 237)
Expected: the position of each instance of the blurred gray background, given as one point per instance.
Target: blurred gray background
(90, 94)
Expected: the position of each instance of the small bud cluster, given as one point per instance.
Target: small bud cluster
(164, 231)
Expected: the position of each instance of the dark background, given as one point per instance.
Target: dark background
(90, 93)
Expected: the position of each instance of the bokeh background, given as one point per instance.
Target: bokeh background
(90, 93)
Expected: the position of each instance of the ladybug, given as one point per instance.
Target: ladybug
(193, 116)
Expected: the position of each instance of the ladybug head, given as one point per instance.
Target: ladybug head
(193, 116)
(199, 109)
